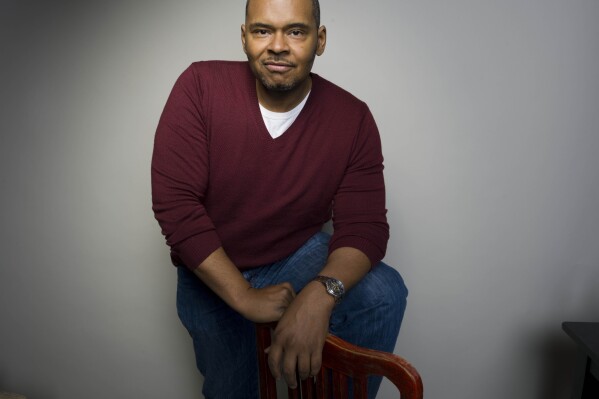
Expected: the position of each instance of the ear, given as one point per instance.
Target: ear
(243, 38)
(322, 40)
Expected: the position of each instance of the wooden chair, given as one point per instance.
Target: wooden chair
(341, 362)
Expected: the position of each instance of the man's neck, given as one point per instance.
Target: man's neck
(282, 101)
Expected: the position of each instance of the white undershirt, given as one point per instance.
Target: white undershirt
(278, 122)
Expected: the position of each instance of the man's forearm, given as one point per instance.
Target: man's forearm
(346, 264)
(219, 273)
(349, 265)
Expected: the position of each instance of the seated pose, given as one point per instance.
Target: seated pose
(250, 160)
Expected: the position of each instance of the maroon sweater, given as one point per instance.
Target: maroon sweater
(220, 179)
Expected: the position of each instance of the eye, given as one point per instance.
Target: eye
(296, 33)
(261, 32)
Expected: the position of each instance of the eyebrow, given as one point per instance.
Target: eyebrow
(296, 25)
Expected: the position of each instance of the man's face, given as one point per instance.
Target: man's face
(281, 39)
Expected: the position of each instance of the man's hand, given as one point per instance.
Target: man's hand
(300, 334)
(262, 305)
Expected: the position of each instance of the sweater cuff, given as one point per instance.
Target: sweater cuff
(196, 249)
(374, 252)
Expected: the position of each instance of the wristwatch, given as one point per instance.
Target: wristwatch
(333, 286)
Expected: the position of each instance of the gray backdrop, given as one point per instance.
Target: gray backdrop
(489, 115)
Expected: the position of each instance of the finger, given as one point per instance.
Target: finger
(286, 296)
(289, 288)
(303, 366)
(315, 363)
(289, 367)
(274, 361)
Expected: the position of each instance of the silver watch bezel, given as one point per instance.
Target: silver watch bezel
(333, 286)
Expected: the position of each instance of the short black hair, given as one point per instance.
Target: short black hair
(315, 11)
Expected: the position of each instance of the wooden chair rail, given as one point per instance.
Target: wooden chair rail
(342, 362)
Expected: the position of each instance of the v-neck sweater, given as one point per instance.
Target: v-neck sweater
(220, 180)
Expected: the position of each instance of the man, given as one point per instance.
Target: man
(250, 160)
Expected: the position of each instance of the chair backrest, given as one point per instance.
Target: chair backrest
(342, 362)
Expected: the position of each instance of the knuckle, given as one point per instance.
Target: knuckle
(289, 371)
(273, 356)
(304, 373)
(272, 365)
(289, 374)
(315, 364)
(315, 369)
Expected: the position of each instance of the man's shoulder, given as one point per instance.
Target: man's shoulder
(217, 77)
(219, 67)
(336, 95)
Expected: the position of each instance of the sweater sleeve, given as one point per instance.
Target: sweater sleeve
(359, 213)
(180, 168)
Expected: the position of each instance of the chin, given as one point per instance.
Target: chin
(278, 86)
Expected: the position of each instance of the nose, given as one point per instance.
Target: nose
(278, 44)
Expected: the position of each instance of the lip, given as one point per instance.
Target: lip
(279, 67)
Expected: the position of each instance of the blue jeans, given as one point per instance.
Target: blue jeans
(225, 343)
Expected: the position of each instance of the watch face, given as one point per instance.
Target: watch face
(335, 288)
